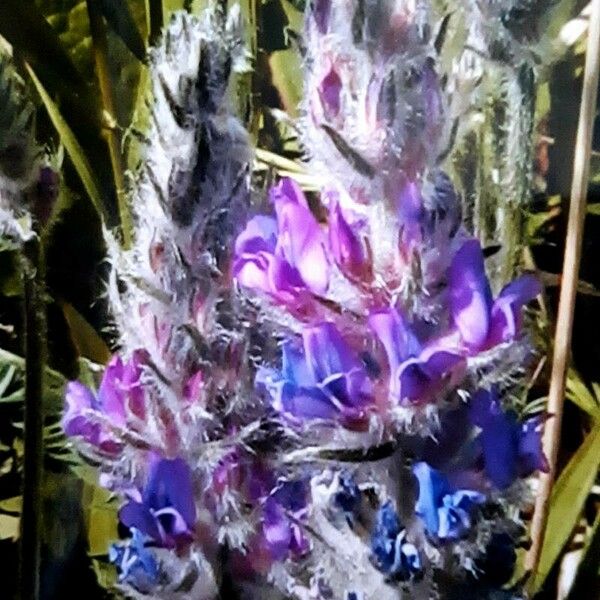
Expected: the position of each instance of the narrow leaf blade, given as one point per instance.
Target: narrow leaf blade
(74, 150)
(569, 494)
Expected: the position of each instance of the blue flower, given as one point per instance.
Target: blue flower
(392, 553)
(166, 512)
(135, 563)
(323, 380)
(347, 497)
(510, 449)
(447, 513)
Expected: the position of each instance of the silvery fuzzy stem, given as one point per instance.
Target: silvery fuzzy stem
(494, 164)
(188, 193)
(494, 52)
(375, 128)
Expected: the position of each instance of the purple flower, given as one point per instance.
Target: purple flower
(482, 321)
(330, 90)
(323, 380)
(346, 248)
(418, 373)
(510, 449)
(447, 513)
(119, 402)
(282, 257)
(165, 511)
(321, 10)
(283, 511)
(135, 563)
(392, 553)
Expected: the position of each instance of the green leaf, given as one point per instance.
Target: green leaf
(54, 383)
(101, 519)
(25, 28)
(72, 146)
(287, 78)
(566, 502)
(88, 342)
(578, 393)
(9, 527)
(119, 16)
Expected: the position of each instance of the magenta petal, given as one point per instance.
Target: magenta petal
(326, 352)
(259, 235)
(330, 90)
(253, 271)
(111, 393)
(346, 248)
(506, 311)
(309, 403)
(283, 277)
(470, 294)
(192, 390)
(422, 378)
(287, 190)
(321, 13)
(302, 242)
(395, 335)
(79, 398)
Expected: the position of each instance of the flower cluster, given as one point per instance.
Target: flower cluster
(321, 404)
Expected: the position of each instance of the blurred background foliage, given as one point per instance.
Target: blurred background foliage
(84, 62)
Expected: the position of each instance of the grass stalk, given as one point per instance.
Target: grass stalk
(568, 291)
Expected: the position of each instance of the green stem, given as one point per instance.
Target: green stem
(35, 335)
(155, 20)
(99, 38)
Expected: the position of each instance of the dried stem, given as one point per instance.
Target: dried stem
(98, 31)
(568, 292)
(35, 332)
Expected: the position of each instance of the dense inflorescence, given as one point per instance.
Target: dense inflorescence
(323, 405)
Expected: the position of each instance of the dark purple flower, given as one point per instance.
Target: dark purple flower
(482, 321)
(323, 380)
(346, 248)
(321, 10)
(410, 214)
(284, 256)
(447, 513)
(120, 400)
(165, 511)
(510, 449)
(283, 512)
(418, 373)
(392, 553)
(330, 90)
